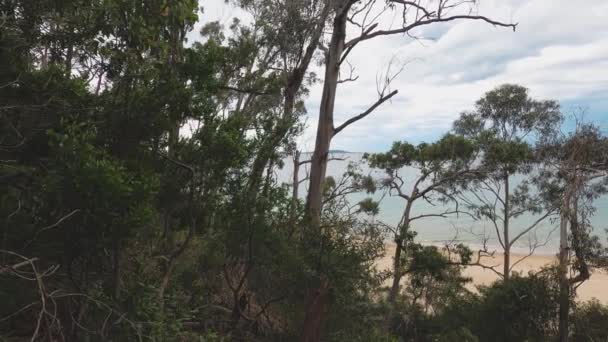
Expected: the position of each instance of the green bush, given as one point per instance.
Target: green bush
(520, 309)
(590, 322)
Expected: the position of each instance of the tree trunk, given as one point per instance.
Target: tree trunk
(397, 273)
(270, 143)
(313, 318)
(293, 85)
(296, 176)
(392, 295)
(294, 190)
(507, 242)
(394, 291)
(173, 139)
(397, 267)
(165, 283)
(116, 272)
(325, 126)
(564, 282)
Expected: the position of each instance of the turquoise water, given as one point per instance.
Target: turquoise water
(438, 230)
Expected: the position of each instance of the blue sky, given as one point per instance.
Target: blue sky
(559, 51)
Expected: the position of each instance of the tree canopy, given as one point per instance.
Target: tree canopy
(140, 198)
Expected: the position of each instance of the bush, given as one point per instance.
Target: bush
(590, 322)
(521, 309)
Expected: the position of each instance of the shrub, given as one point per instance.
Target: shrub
(590, 322)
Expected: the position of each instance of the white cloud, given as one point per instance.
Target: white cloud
(559, 51)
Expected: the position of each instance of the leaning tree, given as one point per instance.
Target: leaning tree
(574, 175)
(423, 173)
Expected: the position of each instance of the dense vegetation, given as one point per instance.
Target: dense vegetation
(139, 200)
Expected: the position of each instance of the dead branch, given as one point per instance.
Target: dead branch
(350, 77)
(177, 162)
(47, 317)
(407, 28)
(61, 220)
(245, 90)
(532, 247)
(532, 226)
(354, 119)
(15, 267)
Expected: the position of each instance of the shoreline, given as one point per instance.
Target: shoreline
(596, 287)
(548, 251)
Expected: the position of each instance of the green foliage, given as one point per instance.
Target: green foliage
(433, 283)
(503, 124)
(521, 309)
(508, 127)
(509, 112)
(118, 225)
(432, 278)
(590, 322)
(428, 157)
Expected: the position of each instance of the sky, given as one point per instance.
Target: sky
(559, 51)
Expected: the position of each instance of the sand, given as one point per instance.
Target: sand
(595, 287)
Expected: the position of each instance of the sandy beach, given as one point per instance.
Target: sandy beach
(595, 287)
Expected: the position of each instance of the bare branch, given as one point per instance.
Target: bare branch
(354, 119)
(405, 29)
(307, 161)
(350, 48)
(443, 214)
(245, 91)
(481, 253)
(177, 162)
(527, 230)
(16, 266)
(350, 77)
(416, 5)
(61, 220)
(533, 246)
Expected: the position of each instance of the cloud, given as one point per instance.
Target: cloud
(559, 51)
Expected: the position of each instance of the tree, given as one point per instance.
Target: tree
(437, 168)
(92, 158)
(414, 14)
(589, 322)
(434, 284)
(505, 123)
(574, 176)
(140, 198)
(523, 308)
(265, 91)
(285, 35)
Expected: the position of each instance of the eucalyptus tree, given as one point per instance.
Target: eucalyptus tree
(266, 78)
(506, 123)
(575, 174)
(424, 173)
(367, 16)
(95, 90)
(414, 14)
(280, 44)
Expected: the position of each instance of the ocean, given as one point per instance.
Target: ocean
(439, 230)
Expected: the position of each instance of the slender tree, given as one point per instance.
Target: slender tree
(575, 174)
(426, 172)
(414, 14)
(505, 123)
